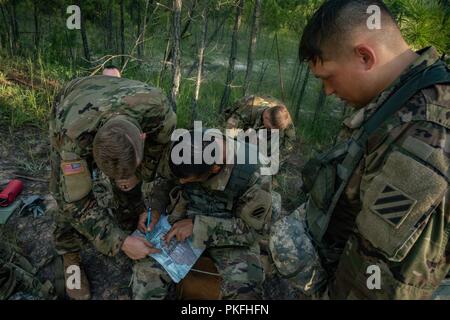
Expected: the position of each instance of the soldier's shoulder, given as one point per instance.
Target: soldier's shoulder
(430, 105)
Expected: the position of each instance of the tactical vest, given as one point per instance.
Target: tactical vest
(326, 177)
(221, 204)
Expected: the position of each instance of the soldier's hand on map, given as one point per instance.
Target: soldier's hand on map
(142, 223)
(138, 248)
(181, 230)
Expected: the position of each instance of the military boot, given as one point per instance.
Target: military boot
(84, 291)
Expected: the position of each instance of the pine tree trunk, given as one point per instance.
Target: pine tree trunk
(201, 52)
(8, 29)
(320, 104)
(36, 25)
(122, 32)
(109, 26)
(176, 64)
(233, 53)
(208, 42)
(87, 54)
(302, 93)
(139, 28)
(252, 45)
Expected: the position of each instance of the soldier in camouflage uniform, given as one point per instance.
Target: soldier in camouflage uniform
(391, 221)
(225, 208)
(259, 112)
(107, 135)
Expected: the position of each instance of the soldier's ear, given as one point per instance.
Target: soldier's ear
(143, 136)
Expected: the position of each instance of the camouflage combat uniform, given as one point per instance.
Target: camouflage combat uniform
(393, 215)
(231, 211)
(86, 210)
(247, 114)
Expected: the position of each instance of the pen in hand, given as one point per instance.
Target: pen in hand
(149, 214)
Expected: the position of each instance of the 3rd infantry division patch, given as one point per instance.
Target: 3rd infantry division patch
(393, 205)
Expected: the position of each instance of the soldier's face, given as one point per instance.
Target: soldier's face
(127, 184)
(349, 78)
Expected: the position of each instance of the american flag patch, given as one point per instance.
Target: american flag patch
(72, 168)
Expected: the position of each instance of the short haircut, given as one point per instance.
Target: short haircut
(111, 66)
(192, 169)
(117, 148)
(279, 117)
(333, 24)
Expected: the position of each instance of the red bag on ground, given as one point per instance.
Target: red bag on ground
(10, 193)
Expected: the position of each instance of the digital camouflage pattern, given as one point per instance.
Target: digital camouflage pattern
(394, 213)
(81, 190)
(230, 236)
(246, 114)
(294, 254)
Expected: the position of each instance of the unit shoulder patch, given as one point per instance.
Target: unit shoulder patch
(393, 205)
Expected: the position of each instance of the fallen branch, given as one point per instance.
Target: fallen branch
(30, 178)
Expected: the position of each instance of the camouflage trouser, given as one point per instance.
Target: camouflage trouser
(240, 269)
(123, 207)
(294, 255)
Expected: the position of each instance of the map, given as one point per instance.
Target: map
(177, 258)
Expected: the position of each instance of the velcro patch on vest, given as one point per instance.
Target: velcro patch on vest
(393, 205)
(71, 168)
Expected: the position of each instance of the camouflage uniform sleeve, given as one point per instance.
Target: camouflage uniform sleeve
(95, 224)
(252, 214)
(403, 227)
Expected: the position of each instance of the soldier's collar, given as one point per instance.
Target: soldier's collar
(427, 57)
(220, 180)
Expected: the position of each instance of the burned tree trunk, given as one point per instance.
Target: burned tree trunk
(252, 45)
(176, 65)
(233, 53)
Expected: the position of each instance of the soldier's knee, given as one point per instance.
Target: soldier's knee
(149, 281)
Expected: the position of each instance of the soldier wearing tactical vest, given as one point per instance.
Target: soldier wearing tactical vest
(225, 208)
(376, 223)
(263, 112)
(107, 135)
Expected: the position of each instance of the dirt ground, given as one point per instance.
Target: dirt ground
(24, 155)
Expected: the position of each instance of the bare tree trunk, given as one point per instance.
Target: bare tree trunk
(265, 65)
(320, 104)
(185, 28)
(252, 45)
(8, 29)
(210, 39)
(11, 11)
(280, 74)
(233, 53)
(36, 25)
(201, 52)
(176, 64)
(122, 31)
(302, 93)
(138, 28)
(87, 54)
(109, 26)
